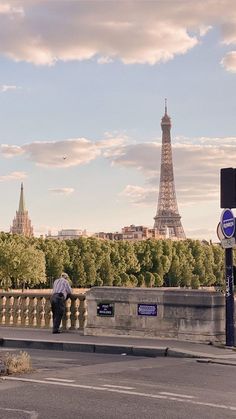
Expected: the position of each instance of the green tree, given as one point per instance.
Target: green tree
(20, 265)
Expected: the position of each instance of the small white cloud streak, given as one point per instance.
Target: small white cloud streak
(9, 151)
(10, 10)
(6, 87)
(13, 176)
(62, 191)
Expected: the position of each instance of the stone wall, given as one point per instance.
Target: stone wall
(156, 312)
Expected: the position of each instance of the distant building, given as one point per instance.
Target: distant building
(109, 236)
(133, 232)
(130, 233)
(21, 222)
(67, 234)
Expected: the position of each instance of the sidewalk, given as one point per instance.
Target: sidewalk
(25, 338)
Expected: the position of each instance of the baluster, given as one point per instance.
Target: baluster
(3, 310)
(11, 303)
(26, 311)
(48, 312)
(42, 312)
(82, 312)
(14, 310)
(18, 311)
(36, 312)
(8, 310)
(68, 313)
(74, 313)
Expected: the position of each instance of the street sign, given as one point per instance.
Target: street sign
(227, 223)
(105, 309)
(228, 243)
(147, 309)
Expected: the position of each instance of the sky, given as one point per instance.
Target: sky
(82, 92)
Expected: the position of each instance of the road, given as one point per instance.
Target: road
(82, 385)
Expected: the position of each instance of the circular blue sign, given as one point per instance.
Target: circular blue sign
(227, 223)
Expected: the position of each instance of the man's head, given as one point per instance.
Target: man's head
(64, 275)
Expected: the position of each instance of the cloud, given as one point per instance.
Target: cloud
(43, 32)
(66, 153)
(138, 195)
(10, 10)
(229, 61)
(196, 169)
(6, 87)
(9, 151)
(62, 191)
(13, 176)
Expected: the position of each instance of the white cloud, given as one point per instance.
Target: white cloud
(10, 150)
(62, 191)
(229, 61)
(104, 60)
(5, 87)
(43, 32)
(138, 195)
(13, 176)
(10, 10)
(64, 153)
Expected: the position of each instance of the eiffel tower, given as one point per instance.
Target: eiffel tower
(167, 220)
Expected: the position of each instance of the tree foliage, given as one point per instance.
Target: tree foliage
(90, 261)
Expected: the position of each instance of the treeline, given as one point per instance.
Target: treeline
(36, 262)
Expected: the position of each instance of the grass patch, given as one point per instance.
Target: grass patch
(17, 363)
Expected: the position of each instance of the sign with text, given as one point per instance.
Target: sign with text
(227, 223)
(147, 310)
(105, 309)
(228, 243)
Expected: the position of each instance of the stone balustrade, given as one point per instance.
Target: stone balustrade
(26, 309)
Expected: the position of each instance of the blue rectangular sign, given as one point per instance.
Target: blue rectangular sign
(147, 310)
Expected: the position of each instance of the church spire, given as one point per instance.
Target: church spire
(165, 106)
(22, 200)
(21, 222)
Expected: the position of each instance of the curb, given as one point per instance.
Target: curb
(101, 348)
(89, 348)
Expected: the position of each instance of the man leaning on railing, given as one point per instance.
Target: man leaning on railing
(61, 291)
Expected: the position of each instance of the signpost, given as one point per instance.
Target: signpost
(226, 229)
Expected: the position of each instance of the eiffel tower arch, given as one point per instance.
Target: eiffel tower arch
(167, 220)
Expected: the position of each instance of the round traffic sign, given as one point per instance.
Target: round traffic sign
(227, 223)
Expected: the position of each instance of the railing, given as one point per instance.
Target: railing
(25, 309)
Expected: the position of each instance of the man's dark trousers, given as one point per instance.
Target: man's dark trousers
(58, 309)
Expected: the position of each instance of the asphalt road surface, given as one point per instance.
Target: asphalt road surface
(82, 385)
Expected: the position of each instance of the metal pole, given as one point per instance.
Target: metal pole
(229, 298)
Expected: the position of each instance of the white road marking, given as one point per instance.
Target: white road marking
(125, 388)
(177, 395)
(116, 390)
(32, 414)
(60, 379)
